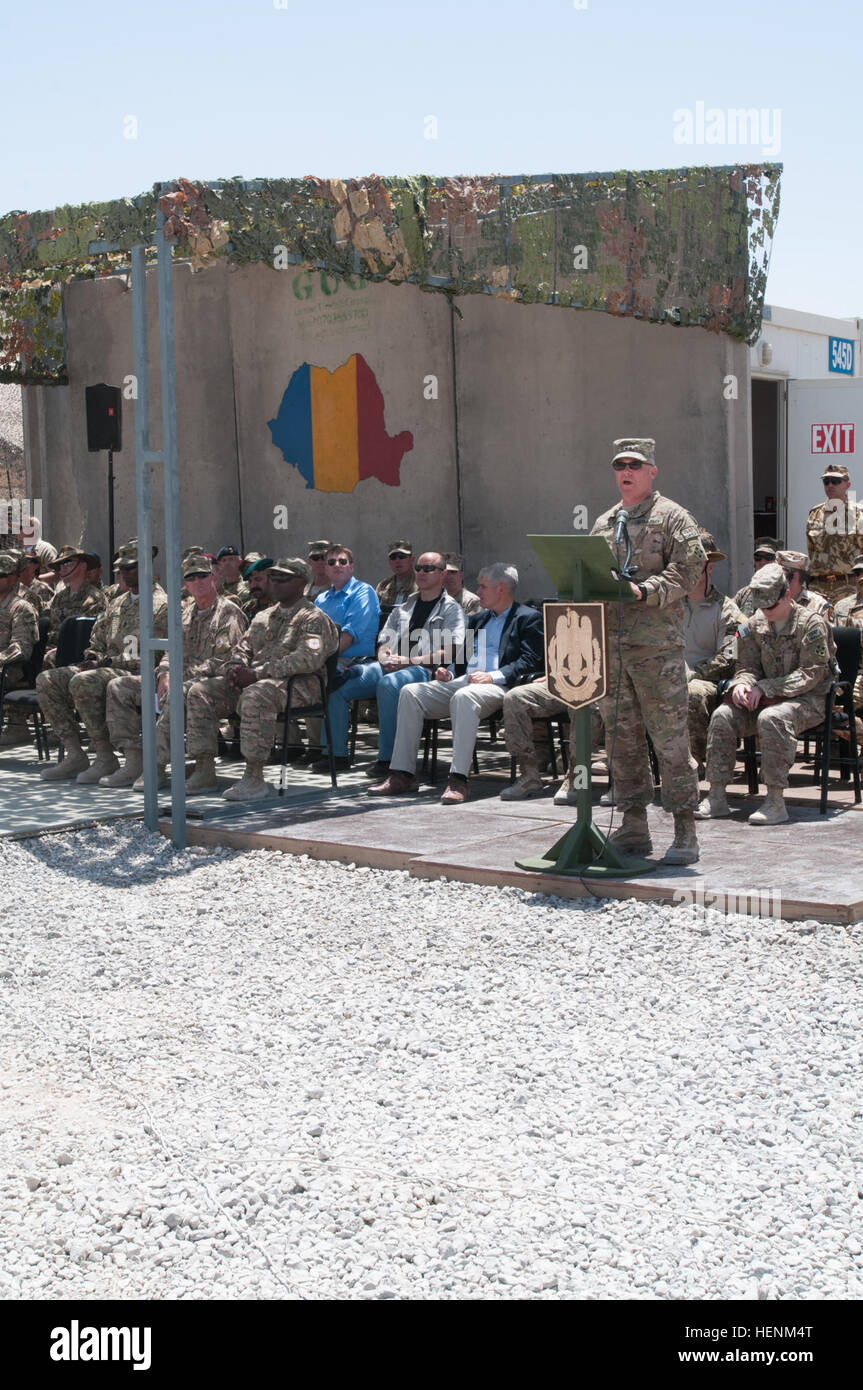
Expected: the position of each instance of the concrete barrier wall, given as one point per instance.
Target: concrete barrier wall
(523, 438)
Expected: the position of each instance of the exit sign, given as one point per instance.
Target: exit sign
(841, 356)
(832, 439)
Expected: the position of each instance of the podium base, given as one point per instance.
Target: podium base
(584, 852)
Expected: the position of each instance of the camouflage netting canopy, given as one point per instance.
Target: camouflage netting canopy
(682, 246)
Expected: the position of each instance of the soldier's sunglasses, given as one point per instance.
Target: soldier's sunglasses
(427, 569)
(620, 464)
(322, 555)
(342, 560)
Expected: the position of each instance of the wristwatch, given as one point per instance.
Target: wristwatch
(643, 588)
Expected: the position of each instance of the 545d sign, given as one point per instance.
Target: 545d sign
(576, 652)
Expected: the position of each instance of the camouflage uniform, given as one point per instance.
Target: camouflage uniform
(210, 642)
(468, 601)
(832, 555)
(703, 677)
(526, 741)
(793, 663)
(63, 690)
(650, 692)
(849, 613)
(19, 632)
(38, 595)
(396, 589)
(238, 591)
(279, 642)
(815, 603)
(88, 602)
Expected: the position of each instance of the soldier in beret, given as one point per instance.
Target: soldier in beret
(401, 583)
(647, 688)
(833, 535)
(19, 632)
(780, 680)
(227, 568)
(291, 638)
(255, 576)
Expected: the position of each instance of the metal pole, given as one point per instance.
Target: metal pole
(144, 531)
(172, 534)
(111, 503)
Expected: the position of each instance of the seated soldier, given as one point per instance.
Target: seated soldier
(255, 575)
(78, 598)
(19, 632)
(212, 629)
(523, 706)
(781, 677)
(34, 589)
(227, 568)
(765, 554)
(317, 561)
(400, 585)
(710, 623)
(114, 649)
(507, 651)
(796, 567)
(454, 584)
(849, 613)
(94, 570)
(419, 635)
(291, 638)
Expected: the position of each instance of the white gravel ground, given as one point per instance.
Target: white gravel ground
(254, 1076)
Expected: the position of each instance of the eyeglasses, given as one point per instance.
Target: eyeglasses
(322, 556)
(427, 569)
(64, 564)
(202, 575)
(399, 555)
(342, 560)
(833, 482)
(619, 464)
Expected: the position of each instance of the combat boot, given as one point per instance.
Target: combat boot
(251, 786)
(714, 806)
(162, 778)
(773, 811)
(74, 760)
(684, 850)
(203, 777)
(128, 774)
(528, 784)
(633, 836)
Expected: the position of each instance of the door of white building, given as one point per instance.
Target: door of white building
(824, 425)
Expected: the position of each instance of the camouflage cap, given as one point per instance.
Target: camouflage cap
(196, 563)
(400, 548)
(643, 449)
(292, 569)
(127, 556)
(766, 545)
(9, 563)
(793, 560)
(835, 470)
(712, 551)
(193, 550)
(319, 547)
(453, 561)
(68, 552)
(767, 585)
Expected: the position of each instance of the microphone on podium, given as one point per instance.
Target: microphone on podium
(620, 525)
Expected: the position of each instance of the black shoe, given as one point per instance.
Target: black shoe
(323, 764)
(378, 770)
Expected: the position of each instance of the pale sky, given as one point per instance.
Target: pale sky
(283, 88)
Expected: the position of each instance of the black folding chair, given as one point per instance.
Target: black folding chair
(839, 715)
(315, 711)
(24, 698)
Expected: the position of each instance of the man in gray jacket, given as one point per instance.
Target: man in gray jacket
(423, 632)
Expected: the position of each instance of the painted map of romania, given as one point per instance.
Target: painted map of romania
(330, 427)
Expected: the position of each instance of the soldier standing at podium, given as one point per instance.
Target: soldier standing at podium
(647, 689)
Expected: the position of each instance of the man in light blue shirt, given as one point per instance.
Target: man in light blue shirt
(351, 604)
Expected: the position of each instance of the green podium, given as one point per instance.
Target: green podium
(580, 569)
